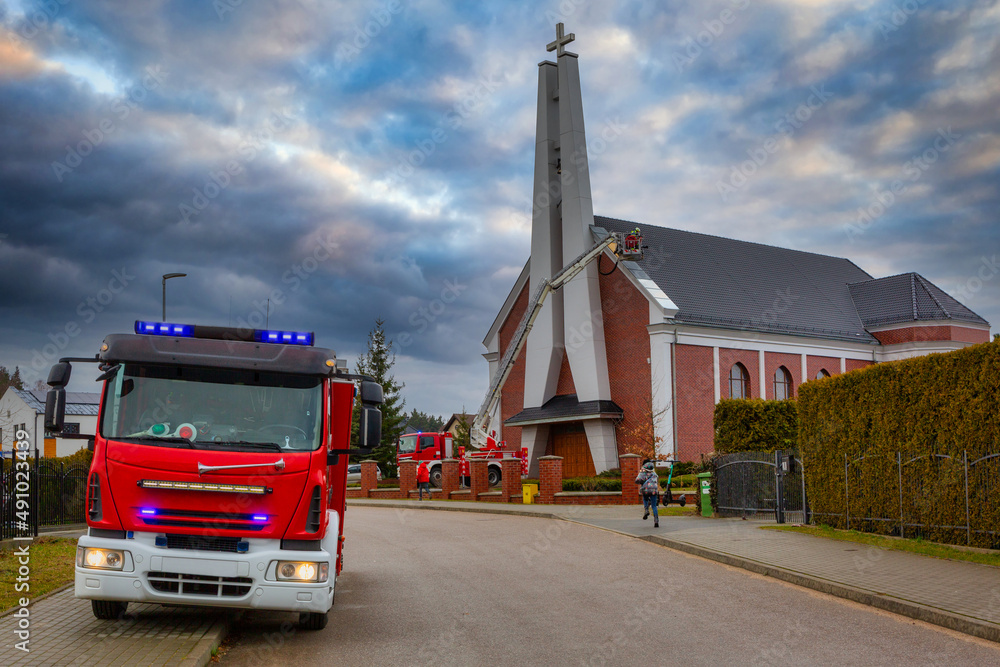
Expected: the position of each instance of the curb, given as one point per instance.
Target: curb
(201, 654)
(946, 619)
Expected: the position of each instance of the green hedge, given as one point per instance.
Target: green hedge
(755, 425)
(933, 410)
(592, 484)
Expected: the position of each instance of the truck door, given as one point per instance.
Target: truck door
(428, 448)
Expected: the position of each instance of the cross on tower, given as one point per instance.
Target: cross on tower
(561, 41)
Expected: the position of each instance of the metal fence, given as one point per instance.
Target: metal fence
(45, 494)
(907, 496)
(761, 484)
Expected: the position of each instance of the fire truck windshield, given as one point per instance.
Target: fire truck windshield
(408, 444)
(213, 408)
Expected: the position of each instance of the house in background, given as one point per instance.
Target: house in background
(25, 409)
(451, 426)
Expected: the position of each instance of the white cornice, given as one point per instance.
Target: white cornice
(930, 323)
(768, 342)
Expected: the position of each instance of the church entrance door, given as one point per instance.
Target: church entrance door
(570, 442)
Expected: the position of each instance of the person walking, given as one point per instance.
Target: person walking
(649, 487)
(424, 480)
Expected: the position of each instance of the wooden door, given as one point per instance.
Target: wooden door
(575, 452)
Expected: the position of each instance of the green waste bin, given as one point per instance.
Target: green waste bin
(528, 493)
(705, 492)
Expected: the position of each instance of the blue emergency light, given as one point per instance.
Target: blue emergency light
(164, 329)
(286, 337)
(224, 333)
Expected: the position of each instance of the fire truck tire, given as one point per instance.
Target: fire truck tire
(493, 477)
(435, 477)
(108, 610)
(313, 620)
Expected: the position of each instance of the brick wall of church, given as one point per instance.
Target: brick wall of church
(728, 357)
(814, 364)
(626, 314)
(695, 402)
(936, 333)
(855, 364)
(773, 361)
(512, 394)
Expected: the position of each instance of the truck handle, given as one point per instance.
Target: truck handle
(202, 468)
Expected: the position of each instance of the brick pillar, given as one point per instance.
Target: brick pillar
(449, 478)
(630, 468)
(407, 477)
(511, 479)
(369, 478)
(478, 470)
(550, 479)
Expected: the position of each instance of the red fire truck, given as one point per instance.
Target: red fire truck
(433, 447)
(219, 470)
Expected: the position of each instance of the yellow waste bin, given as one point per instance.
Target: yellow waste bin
(528, 493)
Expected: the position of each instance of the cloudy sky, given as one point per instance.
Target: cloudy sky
(372, 159)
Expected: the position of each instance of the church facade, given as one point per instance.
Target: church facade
(637, 354)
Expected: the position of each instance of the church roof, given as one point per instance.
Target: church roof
(77, 402)
(565, 408)
(722, 282)
(908, 297)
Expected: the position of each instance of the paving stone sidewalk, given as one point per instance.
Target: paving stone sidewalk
(65, 632)
(955, 594)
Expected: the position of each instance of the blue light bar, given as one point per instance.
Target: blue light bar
(285, 337)
(259, 517)
(164, 329)
(147, 511)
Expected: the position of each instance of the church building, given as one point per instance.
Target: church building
(640, 351)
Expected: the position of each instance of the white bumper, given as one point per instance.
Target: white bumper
(193, 577)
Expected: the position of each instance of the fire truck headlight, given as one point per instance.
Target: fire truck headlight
(299, 571)
(99, 559)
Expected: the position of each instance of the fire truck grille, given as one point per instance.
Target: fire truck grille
(201, 543)
(200, 585)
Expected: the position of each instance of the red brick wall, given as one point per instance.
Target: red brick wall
(565, 385)
(549, 479)
(512, 394)
(792, 362)
(695, 401)
(855, 364)
(730, 356)
(626, 314)
(937, 333)
(813, 364)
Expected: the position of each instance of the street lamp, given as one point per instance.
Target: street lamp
(167, 276)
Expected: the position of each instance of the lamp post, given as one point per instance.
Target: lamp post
(167, 276)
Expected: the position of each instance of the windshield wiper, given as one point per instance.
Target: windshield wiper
(272, 446)
(154, 438)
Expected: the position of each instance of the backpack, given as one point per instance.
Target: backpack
(651, 485)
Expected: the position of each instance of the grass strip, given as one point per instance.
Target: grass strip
(917, 546)
(51, 562)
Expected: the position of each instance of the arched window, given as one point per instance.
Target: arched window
(782, 383)
(822, 374)
(739, 382)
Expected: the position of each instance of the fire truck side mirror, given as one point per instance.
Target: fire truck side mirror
(371, 427)
(55, 409)
(371, 393)
(59, 374)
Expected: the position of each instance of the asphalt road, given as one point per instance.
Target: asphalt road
(450, 588)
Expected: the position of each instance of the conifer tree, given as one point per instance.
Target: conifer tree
(377, 364)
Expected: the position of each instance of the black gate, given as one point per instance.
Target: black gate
(43, 493)
(760, 484)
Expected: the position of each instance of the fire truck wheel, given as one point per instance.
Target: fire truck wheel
(493, 477)
(435, 477)
(313, 620)
(108, 610)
